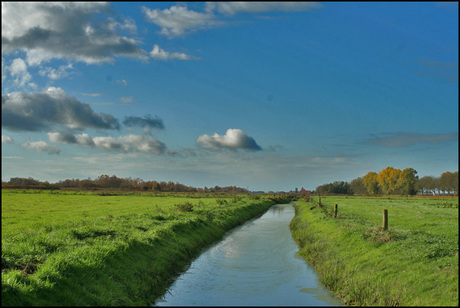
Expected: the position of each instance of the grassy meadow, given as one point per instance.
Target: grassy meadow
(412, 263)
(107, 248)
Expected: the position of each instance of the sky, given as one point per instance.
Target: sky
(267, 96)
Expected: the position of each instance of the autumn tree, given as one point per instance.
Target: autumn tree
(388, 180)
(371, 183)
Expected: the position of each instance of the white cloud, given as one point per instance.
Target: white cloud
(231, 8)
(178, 20)
(159, 54)
(18, 70)
(233, 139)
(41, 146)
(52, 73)
(128, 143)
(7, 139)
(46, 30)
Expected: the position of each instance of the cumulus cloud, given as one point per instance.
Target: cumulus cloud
(146, 122)
(178, 20)
(131, 143)
(18, 70)
(233, 139)
(7, 139)
(231, 8)
(128, 143)
(80, 139)
(41, 146)
(46, 30)
(159, 54)
(37, 111)
(407, 139)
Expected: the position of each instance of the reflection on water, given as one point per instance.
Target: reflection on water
(255, 264)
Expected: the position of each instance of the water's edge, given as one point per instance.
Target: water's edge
(254, 264)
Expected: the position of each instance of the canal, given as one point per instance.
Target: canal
(255, 264)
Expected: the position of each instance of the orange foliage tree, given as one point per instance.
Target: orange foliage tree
(371, 183)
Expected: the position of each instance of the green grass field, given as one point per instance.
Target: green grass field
(414, 262)
(104, 249)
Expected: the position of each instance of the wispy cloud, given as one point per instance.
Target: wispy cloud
(127, 100)
(407, 139)
(233, 139)
(159, 54)
(178, 20)
(444, 77)
(439, 65)
(444, 71)
(91, 94)
(122, 82)
(231, 8)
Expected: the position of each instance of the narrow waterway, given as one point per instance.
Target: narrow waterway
(255, 264)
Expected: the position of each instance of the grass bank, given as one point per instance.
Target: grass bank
(412, 263)
(80, 248)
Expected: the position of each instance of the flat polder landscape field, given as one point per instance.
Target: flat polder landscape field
(108, 248)
(116, 248)
(414, 262)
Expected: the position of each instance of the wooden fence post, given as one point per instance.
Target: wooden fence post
(385, 219)
(335, 210)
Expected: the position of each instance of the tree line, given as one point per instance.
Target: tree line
(113, 182)
(391, 181)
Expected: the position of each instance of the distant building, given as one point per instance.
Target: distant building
(305, 192)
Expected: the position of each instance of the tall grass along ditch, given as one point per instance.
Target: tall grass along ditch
(414, 262)
(105, 250)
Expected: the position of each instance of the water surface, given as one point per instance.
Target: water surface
(255, 264)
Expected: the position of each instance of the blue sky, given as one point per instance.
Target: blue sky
(266, 96)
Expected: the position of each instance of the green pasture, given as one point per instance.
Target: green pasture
(107, 248)
(413, 262)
